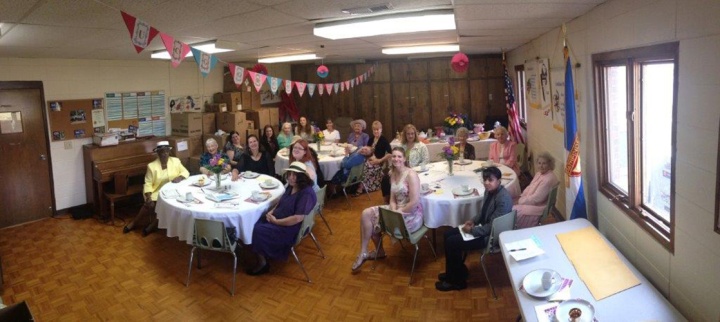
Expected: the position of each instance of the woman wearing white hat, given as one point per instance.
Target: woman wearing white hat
(159, 172)
(275, 233)
(357, 137)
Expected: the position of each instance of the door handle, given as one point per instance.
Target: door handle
(43, 157)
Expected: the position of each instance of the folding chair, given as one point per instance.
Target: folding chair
(211, 235)
(306, 229)
(320, 204)
(499, 225)
(356, 176)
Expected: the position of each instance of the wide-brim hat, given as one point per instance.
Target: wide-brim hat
(359, 121)
(295, 139)
(162, 145)
(297, 167)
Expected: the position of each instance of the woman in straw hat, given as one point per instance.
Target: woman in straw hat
(357, 137)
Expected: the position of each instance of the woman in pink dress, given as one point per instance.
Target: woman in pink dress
(404, 198)
(503, 151)
(533, 200)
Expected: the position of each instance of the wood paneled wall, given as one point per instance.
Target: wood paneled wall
(421, 92)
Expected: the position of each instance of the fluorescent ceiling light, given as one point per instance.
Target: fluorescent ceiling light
(420, 49)
(281, 59)
(208, 47)
(387, 24)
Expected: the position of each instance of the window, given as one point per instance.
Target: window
(636, 92)
(520, 98)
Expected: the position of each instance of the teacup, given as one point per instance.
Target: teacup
(189, 197)
(548, 279)
(423, 167)
(465, 188)
(256, 195)
(268, 182)
(425, 186)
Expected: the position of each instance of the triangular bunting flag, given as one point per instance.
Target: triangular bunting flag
(342, 86)
(257, 79)
(205, 61)
(335, 88)
(347, 84)
(141, 33)
(352, 83)
(289, 86)
(177, 49)
(274, 83)
(310, 87)
(238, 74)
(321, 89)
(300, 87)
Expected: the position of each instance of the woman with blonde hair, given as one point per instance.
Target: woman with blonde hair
(285, 137)
(374, 165)
(503, 151)
(461, 136)
(416, 152)
(533, 200)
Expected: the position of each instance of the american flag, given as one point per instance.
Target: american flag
(513, 118)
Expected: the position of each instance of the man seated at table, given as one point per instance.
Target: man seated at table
(533, 200)
(496, 202)
(350, 160)
(159, 172)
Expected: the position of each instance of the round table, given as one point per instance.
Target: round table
(442, 207)
(482, 147)
(330, 156)
(179, 218)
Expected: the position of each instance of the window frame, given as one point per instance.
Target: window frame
(632, 202)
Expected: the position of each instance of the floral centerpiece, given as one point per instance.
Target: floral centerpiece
(319, 137)
(450, 153)
(455, 121)
(216, 165)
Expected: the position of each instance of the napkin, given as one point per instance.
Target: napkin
(474, 193)
(563, 293)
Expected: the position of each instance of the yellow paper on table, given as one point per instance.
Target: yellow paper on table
(597, 264)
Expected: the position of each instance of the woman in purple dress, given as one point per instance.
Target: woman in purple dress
(275, 233)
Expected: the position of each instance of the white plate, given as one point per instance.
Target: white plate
(464, 162)
(458, 191)
(532, 283)
(250, 175)
(183, 200)
(262, 197)
(562, 313)
(268, 186)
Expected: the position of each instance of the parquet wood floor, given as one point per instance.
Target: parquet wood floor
(85, 270)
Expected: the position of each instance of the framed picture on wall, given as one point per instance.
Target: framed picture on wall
(267, 97)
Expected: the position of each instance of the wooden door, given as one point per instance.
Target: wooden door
(26, 183)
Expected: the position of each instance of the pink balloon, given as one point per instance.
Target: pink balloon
(460, 63)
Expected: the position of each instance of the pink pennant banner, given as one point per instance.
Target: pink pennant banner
(336, 86)
(177, 49)
(238, 74)
(300, 87)
(310, 87)
(321, 89)
(257, 79)
(328, 88)
(274, 83)
(141, 33)
(347, 84)
(342, 86)
(289, 86)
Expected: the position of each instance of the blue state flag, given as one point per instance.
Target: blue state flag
(574, 194)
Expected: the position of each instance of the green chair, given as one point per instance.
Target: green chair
(521, 157)
(211, 235)
(356, 176)
(500, 224)
(320, 204)
(552, 197)
(306, 230)
(393, 224)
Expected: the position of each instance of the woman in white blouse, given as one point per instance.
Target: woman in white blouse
(416, 152)
(330, 133)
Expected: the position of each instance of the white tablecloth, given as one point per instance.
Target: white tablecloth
(441, 208)
(178, 218)
(329, 157)
(482, 148)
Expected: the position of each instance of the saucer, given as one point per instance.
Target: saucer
(458, 191)
(261, 197)
(205, 183)
(563, 310)
(250, 175)
(183, 200)
(268, 186)
(464, 162)
(532, 283)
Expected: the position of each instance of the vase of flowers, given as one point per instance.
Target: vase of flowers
(319, 138)
(216, 166)
(455, 121)
(450, 153)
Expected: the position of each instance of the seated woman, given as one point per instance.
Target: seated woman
(255, 160)
(374, 165)
(269, 141)
(404, 198)
(461, 136)
(285, 137)
(503, 151)
(300, 151)
(533, 200)
(233, 148)
(305, 130)
(416, 151)
(496, 202)
(357, 137)
(330, 133)
(348, 162)
(159, 172)
(275, 233)
(212, 152)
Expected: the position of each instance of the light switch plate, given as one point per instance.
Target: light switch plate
(68, 145)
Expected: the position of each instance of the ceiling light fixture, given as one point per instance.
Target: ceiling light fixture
(420, 49)
(387, 24)
(207, 46)
(282, 59)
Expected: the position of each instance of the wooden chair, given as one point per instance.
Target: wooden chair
(211, 235)
(124, 188)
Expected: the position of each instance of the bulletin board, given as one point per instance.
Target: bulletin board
(76, 119)
(143, 111)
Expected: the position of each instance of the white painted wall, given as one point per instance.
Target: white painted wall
(689, 277)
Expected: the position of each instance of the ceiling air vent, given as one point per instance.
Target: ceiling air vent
(368, 10)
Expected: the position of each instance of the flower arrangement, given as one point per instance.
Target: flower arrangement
(450, 152)
(217, 164)
(318, 135)
(455, 121)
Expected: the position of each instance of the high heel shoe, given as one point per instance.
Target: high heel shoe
(261, 271)
(359, 262)
(126, 230)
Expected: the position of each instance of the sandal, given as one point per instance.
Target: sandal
(371, 255)
(359, 262)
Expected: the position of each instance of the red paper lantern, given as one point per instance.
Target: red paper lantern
(460, 63)
(322, 71)
(260, 68)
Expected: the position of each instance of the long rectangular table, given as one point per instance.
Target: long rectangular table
(639, 303)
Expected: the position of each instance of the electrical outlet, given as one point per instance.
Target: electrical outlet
(68, 145)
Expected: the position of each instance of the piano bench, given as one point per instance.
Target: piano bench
(132, 190)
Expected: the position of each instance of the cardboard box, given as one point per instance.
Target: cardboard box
(231, 99)
(214, 108)
(196, 145)
(232, 121)
(256, 100)
(251, 131)
(250, 123)
(106, 139)
(264, 116)
(180, 147)
(186, 124)
(209, 125)
(274, 117)
(193, 165)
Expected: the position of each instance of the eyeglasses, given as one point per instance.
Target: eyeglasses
(298, 148)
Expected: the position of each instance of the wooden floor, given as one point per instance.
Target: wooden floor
(85, 270)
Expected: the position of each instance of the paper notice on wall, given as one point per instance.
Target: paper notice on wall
(98, 117)
(557, 106)
(182, 146)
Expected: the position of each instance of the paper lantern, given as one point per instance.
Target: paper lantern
(322, 71)
(459, 63)
(260, 68)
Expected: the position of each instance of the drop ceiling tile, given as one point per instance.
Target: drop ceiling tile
(331, 9)
(188, 14)
(13, 10)
(521, 11)
(69, 13)
(257, 20)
